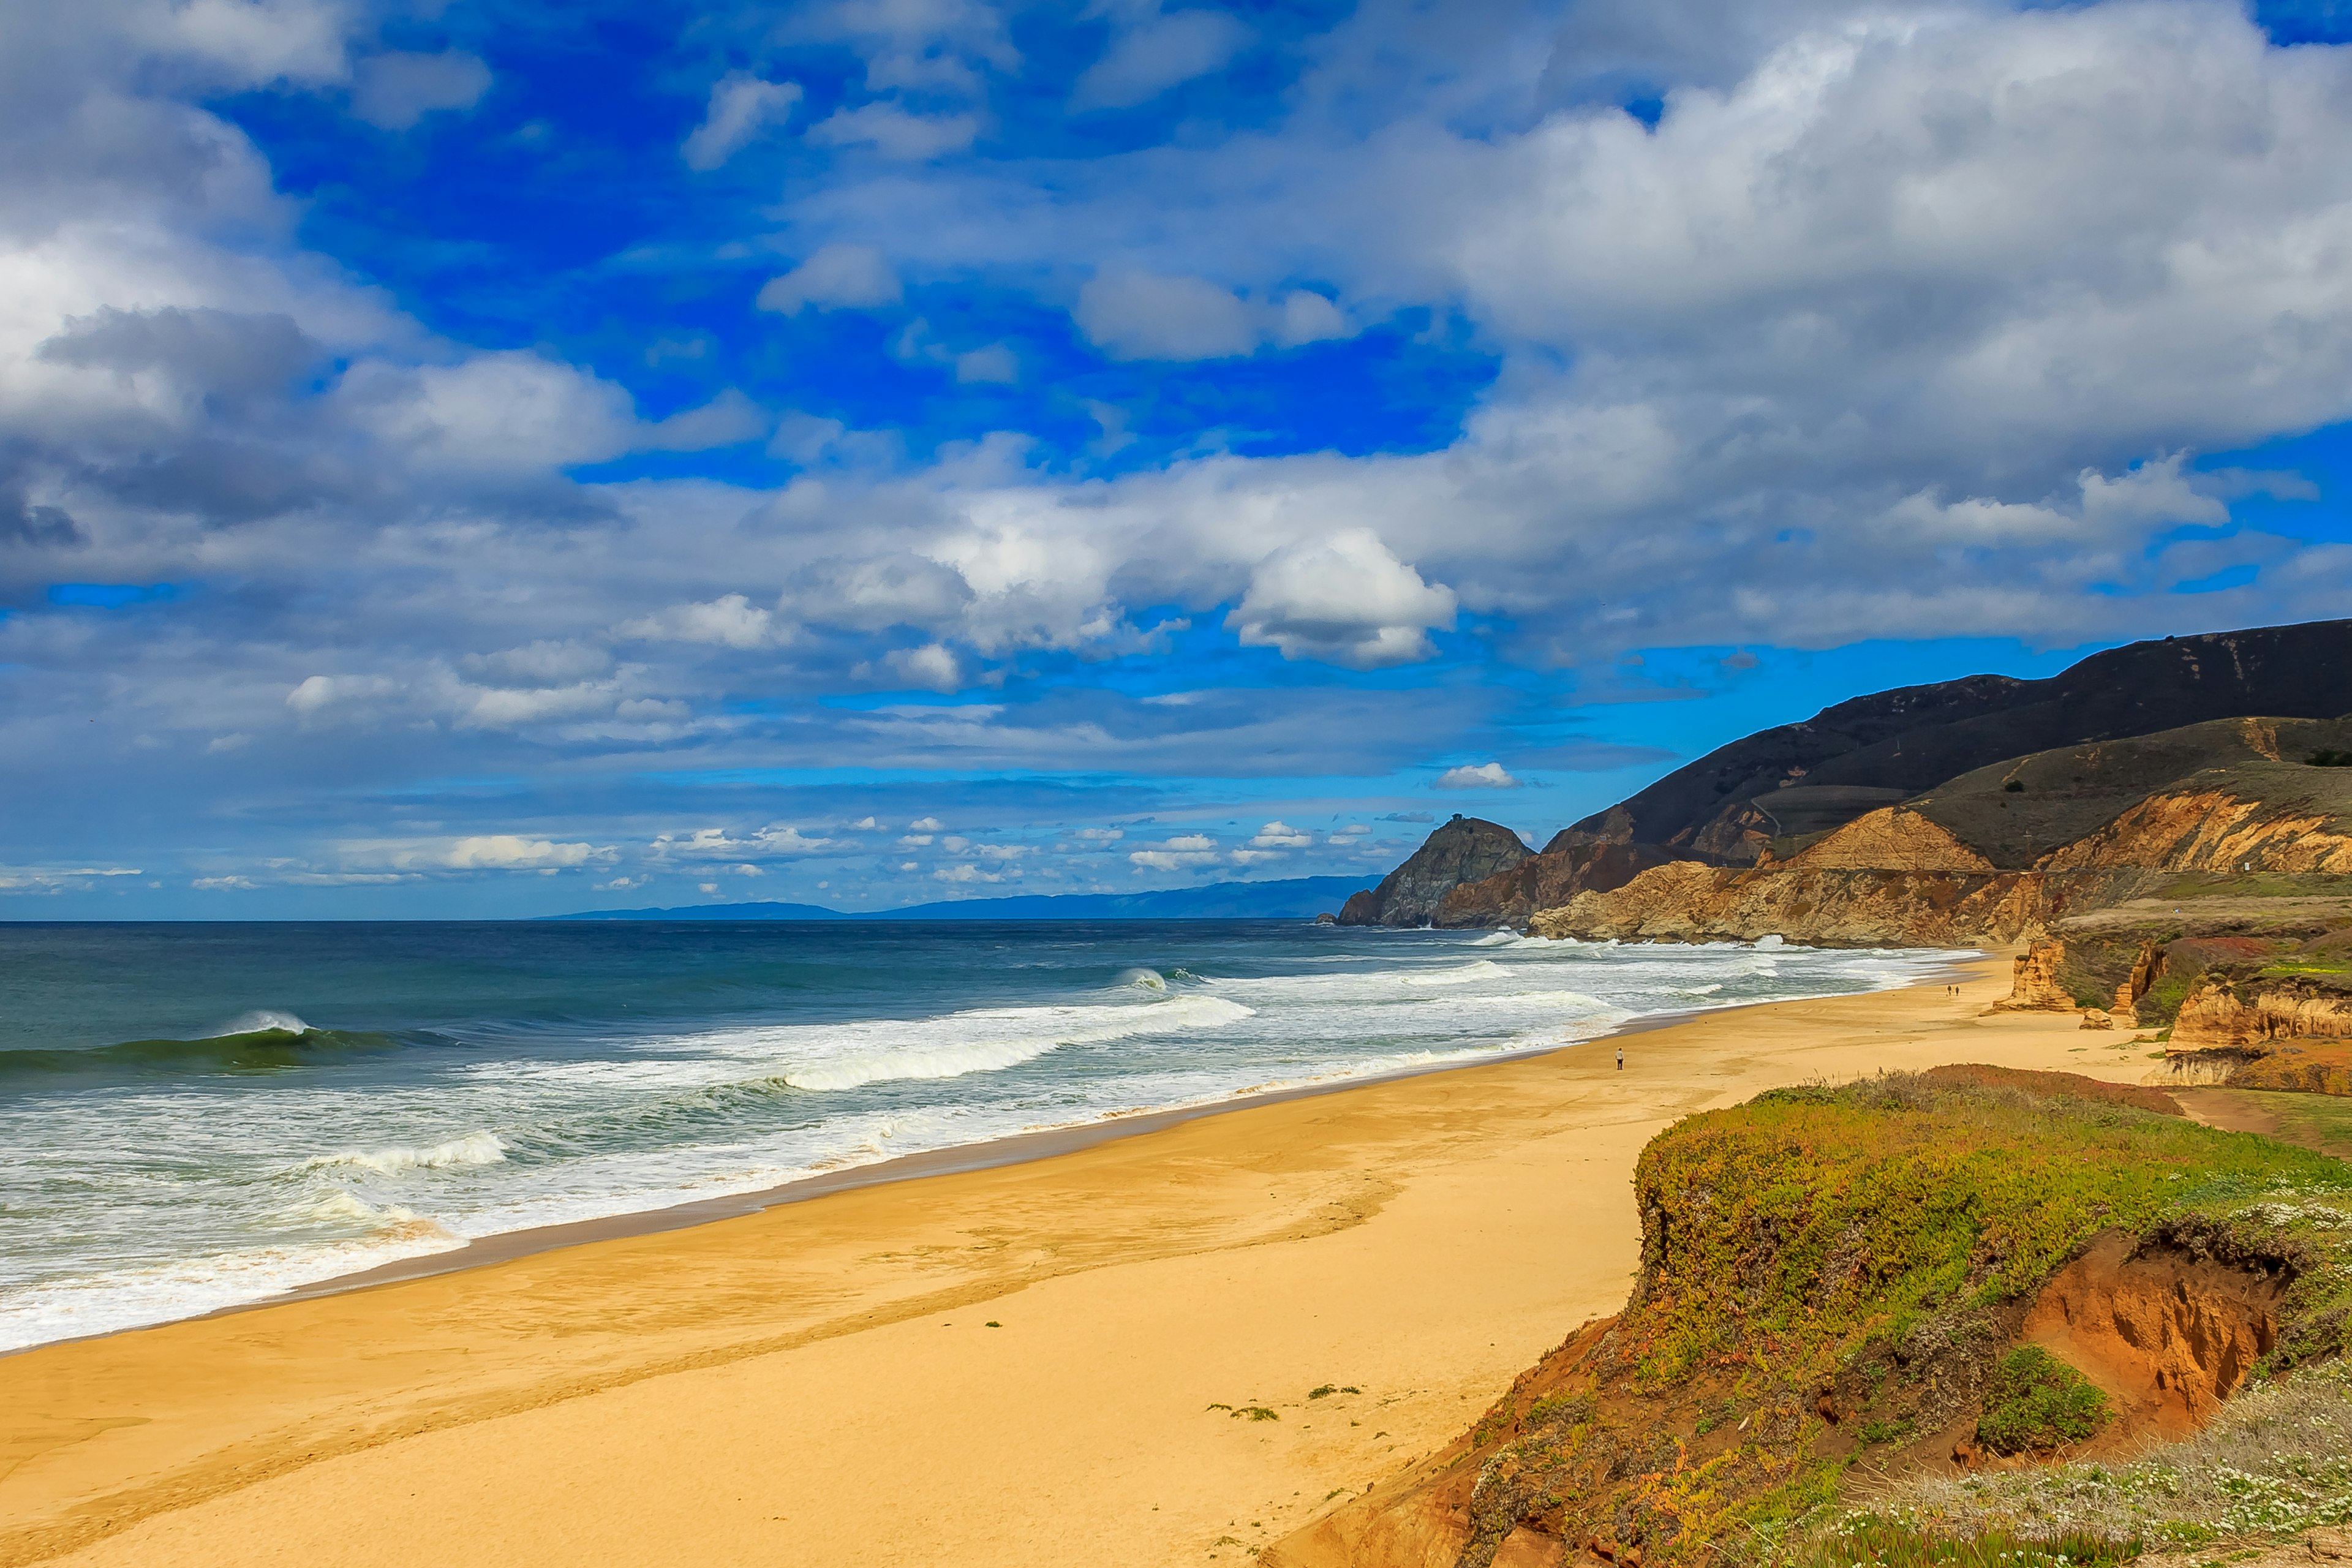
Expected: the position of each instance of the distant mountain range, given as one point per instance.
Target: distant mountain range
(1301, 898)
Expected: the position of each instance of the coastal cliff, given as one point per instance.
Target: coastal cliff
(1912, 1277)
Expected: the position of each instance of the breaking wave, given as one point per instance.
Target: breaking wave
(992, 1040)
(241, 1050)
(473, 1149)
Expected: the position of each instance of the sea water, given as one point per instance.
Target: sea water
(193, 1117)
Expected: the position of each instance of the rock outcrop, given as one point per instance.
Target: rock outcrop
(1890, 838)
(2034, 981)
(1466, 850)
(1570, 864)
(2221, 1013)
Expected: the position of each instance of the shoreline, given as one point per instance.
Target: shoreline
(814, 1381)
(983, 1154)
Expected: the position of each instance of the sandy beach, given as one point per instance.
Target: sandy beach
(1111, 1355)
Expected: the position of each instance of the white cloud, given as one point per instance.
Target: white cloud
(835, 278)
(867, 825)
(932, 668)
(776, 841)
(506, 850)
(895, 133)
(1100, 835)
(965, 871)
(1140, 315)
(1485, 775)
(1145, 59)
(926, 824)
(727, 420)
(741, 106)
(1176, 853)
(1345, 599)
(472, 852)
(394, 90)
(318, 692)
(915, 840)
(254, 41)
(729, 621)
(1133, 314)
(1280, 835)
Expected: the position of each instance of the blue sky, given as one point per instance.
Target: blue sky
(497, 459)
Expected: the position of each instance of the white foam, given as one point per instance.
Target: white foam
(1498, 939)
(263, 1019)
(1466, 974)
(473, 1149)
(112, 1300)
(992, 1040)
(1144, 979)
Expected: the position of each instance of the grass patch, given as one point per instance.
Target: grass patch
(1872, 1540)
(2275, 1461)
(2039, 1403)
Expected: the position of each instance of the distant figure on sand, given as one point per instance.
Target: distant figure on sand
(1621, 1058)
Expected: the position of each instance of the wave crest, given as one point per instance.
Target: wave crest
(473, 1149)
(252, 1049)
(992, 1040)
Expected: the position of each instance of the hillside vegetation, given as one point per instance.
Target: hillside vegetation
(1834, 1284)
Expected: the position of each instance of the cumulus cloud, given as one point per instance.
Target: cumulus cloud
(1280, 835)
(741, 106)
(1345, 598)
(775, 841)
(1482, 775)
(470, 852)
(835, 278)
(1176, 853)
(729, 621)
(394, 90)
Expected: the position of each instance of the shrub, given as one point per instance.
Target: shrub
(2038, 1402)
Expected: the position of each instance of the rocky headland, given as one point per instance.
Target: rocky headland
(2189, 829)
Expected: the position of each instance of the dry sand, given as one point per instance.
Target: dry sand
(828, 1383)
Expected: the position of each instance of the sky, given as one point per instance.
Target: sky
(483, 457)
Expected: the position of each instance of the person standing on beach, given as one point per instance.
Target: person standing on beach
(1621, 1058)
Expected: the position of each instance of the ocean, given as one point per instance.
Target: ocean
(193, 1117)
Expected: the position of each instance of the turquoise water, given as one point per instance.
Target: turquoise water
(197, 1116)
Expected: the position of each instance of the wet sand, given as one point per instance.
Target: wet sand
(997, 1367)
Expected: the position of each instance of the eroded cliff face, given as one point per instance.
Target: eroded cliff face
(2212, 831)
(2225, 1013)
(1685, 902)
(1466, 850)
